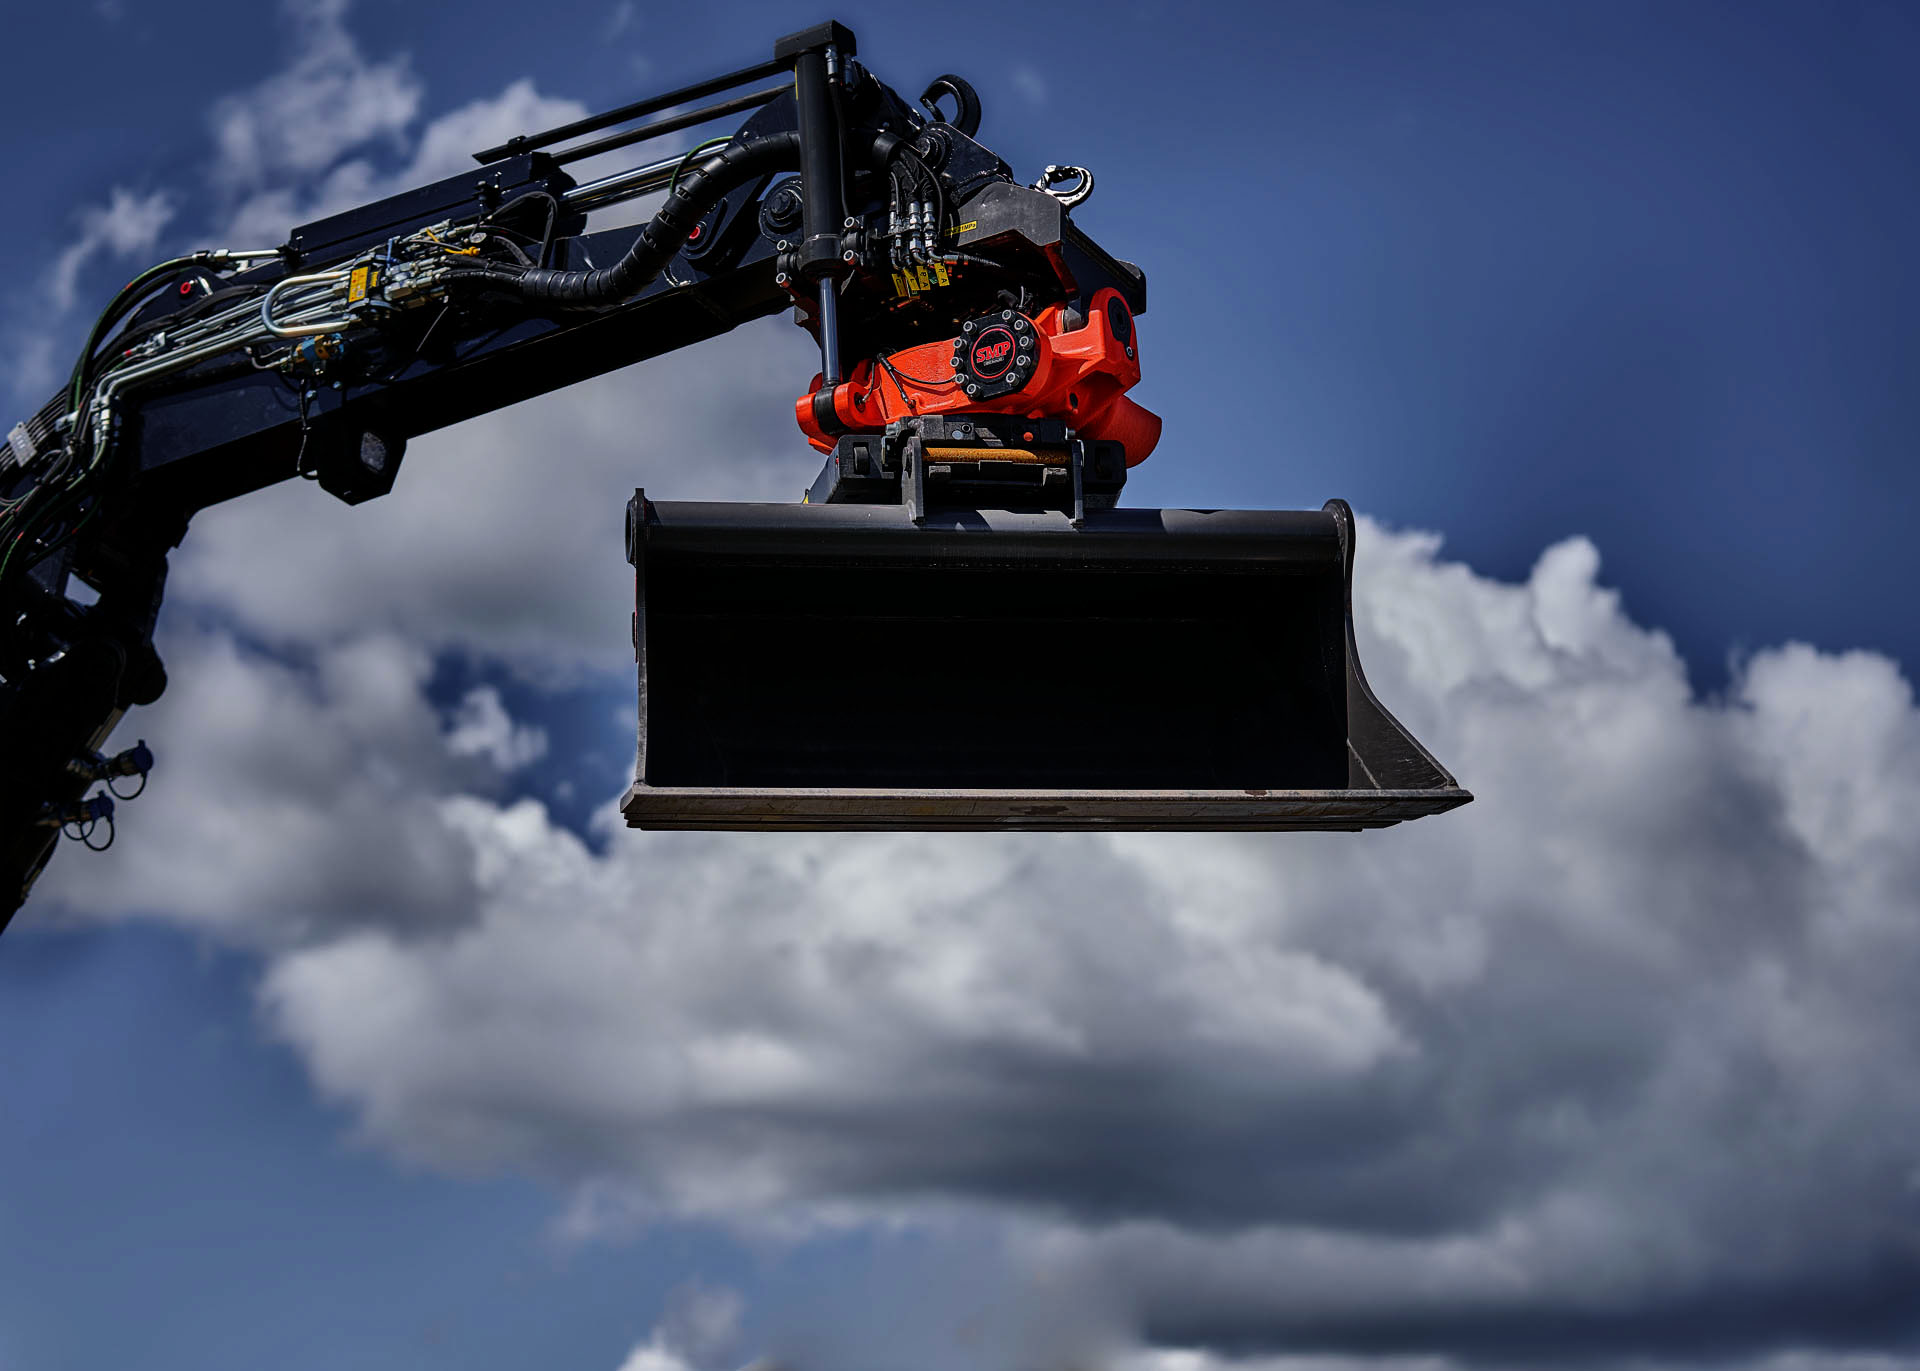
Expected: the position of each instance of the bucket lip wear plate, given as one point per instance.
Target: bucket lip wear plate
(866, 809)
(1394, 778)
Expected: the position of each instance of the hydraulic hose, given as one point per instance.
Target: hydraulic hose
(130, 294)
(666, 233)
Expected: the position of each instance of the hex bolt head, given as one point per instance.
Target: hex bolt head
(973, 390)
(1129, 352)
(1006, 315)
(967, 327)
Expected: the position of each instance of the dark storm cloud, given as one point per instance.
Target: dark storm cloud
(1865, 1302)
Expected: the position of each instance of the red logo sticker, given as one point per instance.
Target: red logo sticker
(993, 354)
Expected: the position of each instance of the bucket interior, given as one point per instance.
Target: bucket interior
(986, 669)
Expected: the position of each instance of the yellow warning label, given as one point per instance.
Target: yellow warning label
(959, 229)
(360, 284)
(920, 278)
(940, 274)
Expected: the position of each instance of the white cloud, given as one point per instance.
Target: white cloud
(481, 727)
(444, 148)
(292, 186)
(286, 800)
(506, 534)
(1480, 1065)
(652, 1355)
(447, 145)
(126, 226)
(1592, 1045)
(700, 1329)
(328, 100)
(1595, 1047)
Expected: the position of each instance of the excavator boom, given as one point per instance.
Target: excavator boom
(958, 625)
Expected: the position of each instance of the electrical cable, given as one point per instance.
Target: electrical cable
(924, 383)
(692, 153)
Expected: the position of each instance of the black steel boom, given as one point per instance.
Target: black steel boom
(975, 348)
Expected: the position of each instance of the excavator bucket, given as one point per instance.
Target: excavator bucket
(842, 666)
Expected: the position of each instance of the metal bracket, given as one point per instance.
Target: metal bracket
(913, 478)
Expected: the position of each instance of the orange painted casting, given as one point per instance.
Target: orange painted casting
(1082, 377)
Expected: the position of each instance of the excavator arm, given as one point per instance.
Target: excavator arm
(976, 349)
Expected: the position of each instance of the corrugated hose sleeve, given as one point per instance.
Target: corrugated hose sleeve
(698, 191)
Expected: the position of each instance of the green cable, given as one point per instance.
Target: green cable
(692, 153)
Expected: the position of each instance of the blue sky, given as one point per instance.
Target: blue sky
(370, 1044)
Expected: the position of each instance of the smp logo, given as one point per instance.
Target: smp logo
(989, 353)
(992, 354)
